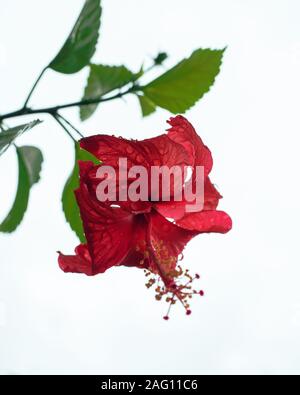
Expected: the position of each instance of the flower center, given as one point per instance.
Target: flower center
(173, 283)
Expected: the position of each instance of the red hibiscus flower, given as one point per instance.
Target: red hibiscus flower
(146, 234)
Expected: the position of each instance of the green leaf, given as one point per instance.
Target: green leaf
(33, 160)
(102, 80)
(147, 106)
(181, 87)
(70, 206)
(81, 43)
(30, 161)
(7, 137)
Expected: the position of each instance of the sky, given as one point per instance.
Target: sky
(249, 320)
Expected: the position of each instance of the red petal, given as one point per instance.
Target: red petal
(79, 263)
(138, 255)
(172, 210)
(85, 167)
(182, 132)
(157, 151)
(89, 177)
(110, 149)
(163, 151)
(108, 231)
(177, 210)
(82, 262)
(174, 237)
(207, 222)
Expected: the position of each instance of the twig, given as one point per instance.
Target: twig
(34, 87)
(63, 126)
(54, 110)
(70, 124)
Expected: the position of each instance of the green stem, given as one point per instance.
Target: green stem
(55, 109)
(3, 126)
(63, 126)
(70, 125)
(34, 87)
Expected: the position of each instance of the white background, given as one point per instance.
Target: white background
(249, 321)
